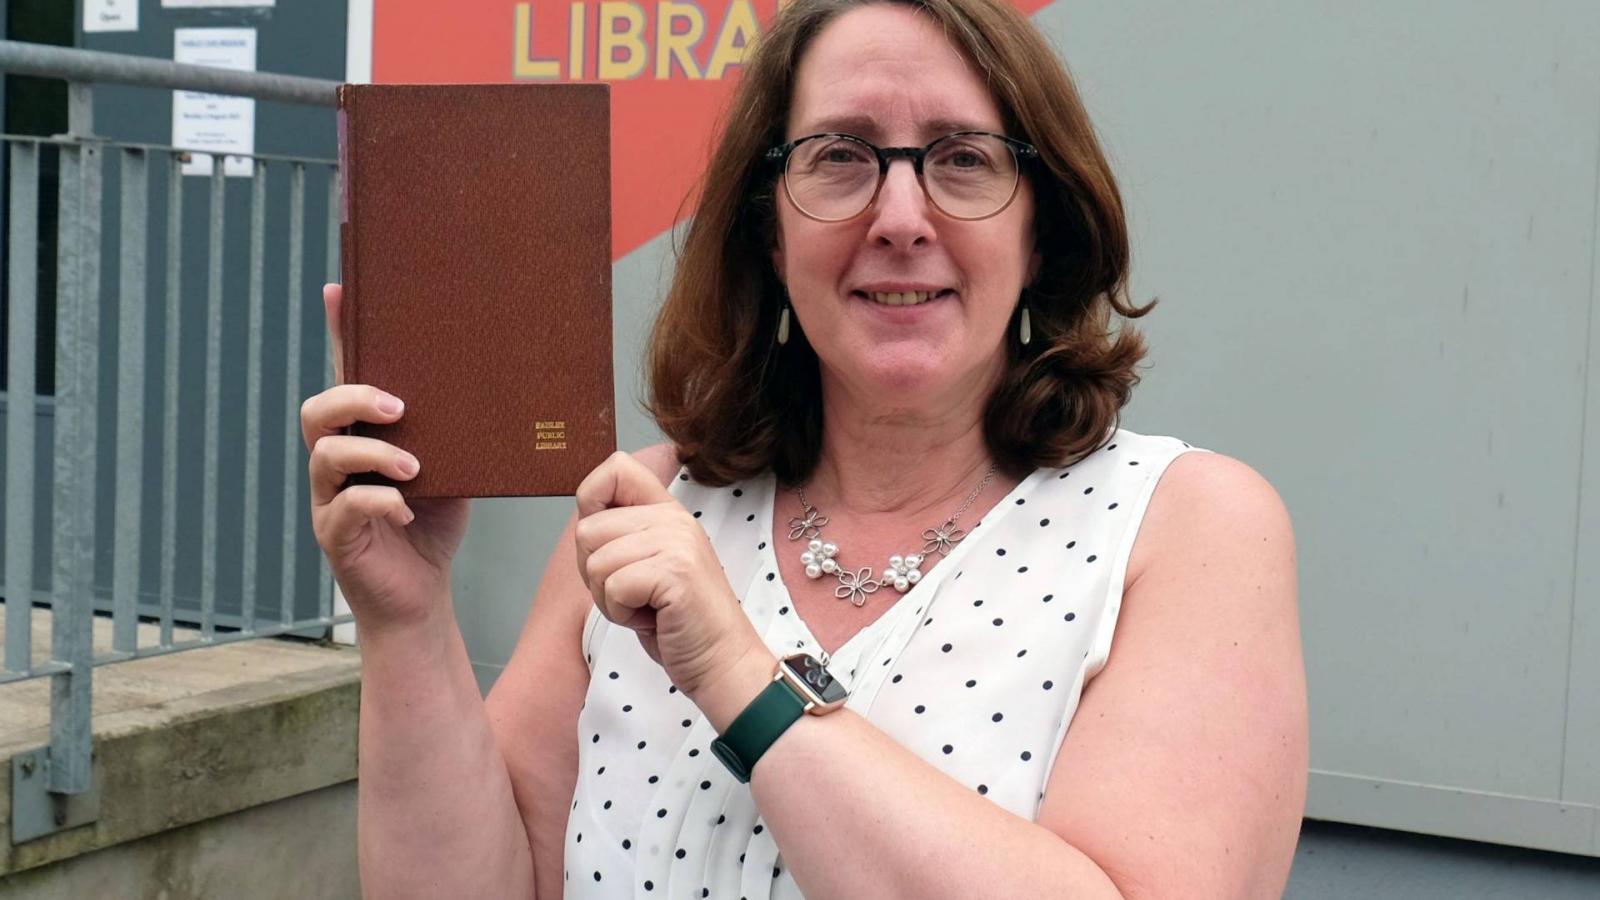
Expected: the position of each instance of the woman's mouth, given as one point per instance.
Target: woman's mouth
(902, 298)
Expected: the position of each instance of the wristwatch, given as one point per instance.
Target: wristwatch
(802, 684)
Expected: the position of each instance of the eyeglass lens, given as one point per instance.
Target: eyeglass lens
(968, 176)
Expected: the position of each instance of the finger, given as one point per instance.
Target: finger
(625, 596)
(598, 529)
(336, 457)
(332, 301)
(623, 551)
(340, 523)
(343, 405)
(619, 481)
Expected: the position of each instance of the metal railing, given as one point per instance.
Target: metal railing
(52, 786)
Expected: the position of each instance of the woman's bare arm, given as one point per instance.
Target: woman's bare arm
(533, 707)
(436, 814)
(1184, 771)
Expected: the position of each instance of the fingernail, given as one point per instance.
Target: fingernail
(408, 464)
(390, 405)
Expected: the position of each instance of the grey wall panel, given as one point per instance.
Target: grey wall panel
(1371, 226)
(508, 543)
(1581, 782)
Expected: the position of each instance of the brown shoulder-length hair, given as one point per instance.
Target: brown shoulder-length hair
(736, 403)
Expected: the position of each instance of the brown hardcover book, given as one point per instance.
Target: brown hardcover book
(475, 235)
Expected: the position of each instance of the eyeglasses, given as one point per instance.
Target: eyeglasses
(966, 175)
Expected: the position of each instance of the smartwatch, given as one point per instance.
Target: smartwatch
(800, 685)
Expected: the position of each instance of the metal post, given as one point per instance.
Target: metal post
(80, 109)
(77, 340)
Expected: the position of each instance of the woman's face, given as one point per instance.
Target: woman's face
(887, 73)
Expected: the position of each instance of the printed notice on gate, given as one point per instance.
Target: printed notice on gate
(111, 15)
(213, 124)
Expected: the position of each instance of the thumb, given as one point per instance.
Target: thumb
(619, 481)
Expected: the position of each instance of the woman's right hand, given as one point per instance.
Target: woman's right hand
(391, 559)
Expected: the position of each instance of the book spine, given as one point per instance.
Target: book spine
(349, 277)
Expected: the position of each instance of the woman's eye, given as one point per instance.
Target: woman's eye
(962, 158)
(840, 155)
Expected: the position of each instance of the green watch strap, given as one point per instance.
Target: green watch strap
(766, 718)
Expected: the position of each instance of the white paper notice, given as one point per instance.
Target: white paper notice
(216, 3)
(110, 15)
(213, 123)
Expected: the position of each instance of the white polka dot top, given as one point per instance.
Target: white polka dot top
(977, 669)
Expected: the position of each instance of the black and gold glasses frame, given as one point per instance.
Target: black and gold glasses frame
(970, 194)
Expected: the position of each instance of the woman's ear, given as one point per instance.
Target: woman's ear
(1034, 263)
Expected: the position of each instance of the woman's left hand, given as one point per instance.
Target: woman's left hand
(651, 568)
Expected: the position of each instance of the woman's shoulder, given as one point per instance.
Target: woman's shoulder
(1125, 459)
(1127, 446)
(1206, 493)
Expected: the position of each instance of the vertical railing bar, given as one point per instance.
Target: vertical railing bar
(335, 198)
(169, 409)
(77, 347)
(208, 561)
(21, 406)
(130, 402)
(292, 442)
(252, 415)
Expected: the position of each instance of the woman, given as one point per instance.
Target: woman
(913, 248)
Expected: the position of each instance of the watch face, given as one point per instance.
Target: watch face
(816, 678)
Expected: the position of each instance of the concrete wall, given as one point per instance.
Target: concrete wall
(221, 772)
(302, 846)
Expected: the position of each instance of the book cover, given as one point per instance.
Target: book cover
(475, 256)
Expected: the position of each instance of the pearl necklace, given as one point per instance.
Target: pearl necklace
(821, 556)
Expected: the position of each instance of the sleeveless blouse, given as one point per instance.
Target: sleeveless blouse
(977, 669)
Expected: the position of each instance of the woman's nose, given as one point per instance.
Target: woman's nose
(900, 216)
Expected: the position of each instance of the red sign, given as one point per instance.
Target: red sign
(672, 65)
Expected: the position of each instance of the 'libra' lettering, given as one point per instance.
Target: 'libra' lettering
(624, 45)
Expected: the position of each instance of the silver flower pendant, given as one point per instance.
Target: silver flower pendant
(855, 586)
(941, 539)
(809, 527)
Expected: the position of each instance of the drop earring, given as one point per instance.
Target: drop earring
(783, 326)
(1025, 329)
